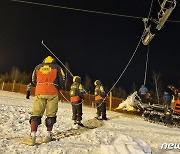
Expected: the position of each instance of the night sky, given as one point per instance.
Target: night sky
(93, 44)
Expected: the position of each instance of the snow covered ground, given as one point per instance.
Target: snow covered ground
(121, 134)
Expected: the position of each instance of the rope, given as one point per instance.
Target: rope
(68, 100)
(66, 69)
(125, 68)
(129, 60)
(89, 11)
(60, 62)
(145, 74)
(57, 58)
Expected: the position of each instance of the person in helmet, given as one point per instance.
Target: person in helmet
(47, 77)
(76, 99)
(143, 92)
(99, 100)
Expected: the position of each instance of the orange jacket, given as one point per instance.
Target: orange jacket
(48, 78)
(76, 93)
(75, 99)
(99, 92)
(98, 98)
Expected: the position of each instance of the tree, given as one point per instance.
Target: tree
(4, 78)
(14, 74)
(158, 85)
(68, 77)
(24, 78)
(87, 84)
(119, 92)
(134, 87)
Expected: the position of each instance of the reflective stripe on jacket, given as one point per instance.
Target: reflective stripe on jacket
(47, 77)
(99, 92)
(76, 92)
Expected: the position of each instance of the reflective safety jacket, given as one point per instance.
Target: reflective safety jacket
(48, 78)
(76, 92)
(28, 88)
(99, 92)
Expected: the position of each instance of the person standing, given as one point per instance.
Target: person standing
(28, 91)
(76, 99)
(143, 91)
(48, 79)
(168, 110)
(99, 100)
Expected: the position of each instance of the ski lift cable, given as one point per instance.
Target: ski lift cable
(147, 58)
(75, 9)
(84, 10)
(130, 58)
(148, 15)
(175, 21)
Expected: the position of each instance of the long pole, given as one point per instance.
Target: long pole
(57, 58)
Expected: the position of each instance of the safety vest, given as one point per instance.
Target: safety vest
(75, 92)
(47, 77)
(99, 92)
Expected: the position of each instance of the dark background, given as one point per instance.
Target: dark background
(93, 44)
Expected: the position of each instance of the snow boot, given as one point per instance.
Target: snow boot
(104, 118)
(98, 117)
(47, 139)
(79, 123)
(29, 140)
(75, 126)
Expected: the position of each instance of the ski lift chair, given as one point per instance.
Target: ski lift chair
(167, 7)
(148, 36)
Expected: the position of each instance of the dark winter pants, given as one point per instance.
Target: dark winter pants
(28, 94)
(168, 115)
(101, 109)
(77, 111)
(143, 98)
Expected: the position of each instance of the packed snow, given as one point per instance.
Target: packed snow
(122, 134)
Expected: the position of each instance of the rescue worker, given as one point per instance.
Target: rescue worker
(48, 79)
(168, 110)
(143, 91)
(76, 99)
(148, 98)
(99, 100)
(28, 90)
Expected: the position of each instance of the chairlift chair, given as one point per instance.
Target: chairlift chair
(167, 7)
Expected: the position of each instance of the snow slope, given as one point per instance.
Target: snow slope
(122, 134)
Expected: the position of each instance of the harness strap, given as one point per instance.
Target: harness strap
(40, 83)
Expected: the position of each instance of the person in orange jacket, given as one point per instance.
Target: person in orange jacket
(76, 99)
(99, 100)
(48, 79)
